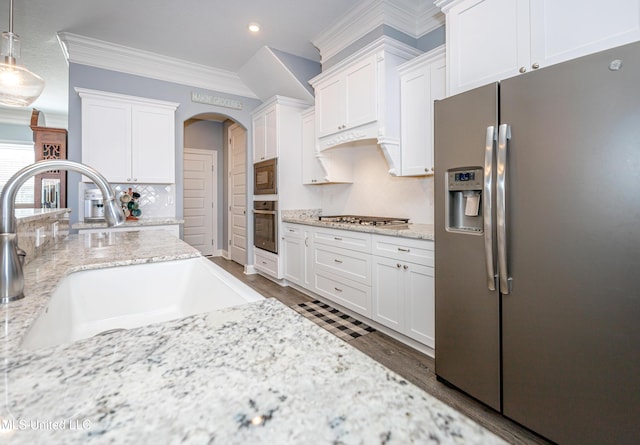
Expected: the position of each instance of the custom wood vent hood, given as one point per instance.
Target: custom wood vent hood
(359, 98)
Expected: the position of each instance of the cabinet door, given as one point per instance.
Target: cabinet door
(361, 93)
(330, 106)
(153, 145)
(271, 138)
(312, 171)
(419, 292)
(563, 30)
(487, 40)
(259, 138)
(294, 265)
(106, 138)
(419, 88)
(388, 300)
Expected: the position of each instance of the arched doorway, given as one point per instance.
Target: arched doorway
(224, 141)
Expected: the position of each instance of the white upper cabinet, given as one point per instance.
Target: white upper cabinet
(312, 171)
(128, 139)
(321, 167)
(359, 97)
(422, 81)
(265, 133)
(347, 98)
(487, 40)
(564, 30)
(490, 40)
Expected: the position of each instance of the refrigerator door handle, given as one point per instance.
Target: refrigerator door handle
(486, 208)
(504, 135)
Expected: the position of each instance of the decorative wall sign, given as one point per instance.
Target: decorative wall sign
(216, 100)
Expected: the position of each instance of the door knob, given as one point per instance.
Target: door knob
(535, 66)
(522, 69)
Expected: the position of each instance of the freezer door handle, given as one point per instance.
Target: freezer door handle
(486, 207)
(504, 136)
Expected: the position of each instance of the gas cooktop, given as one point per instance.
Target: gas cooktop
(364, 220)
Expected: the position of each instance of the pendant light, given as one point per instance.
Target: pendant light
(18, 86)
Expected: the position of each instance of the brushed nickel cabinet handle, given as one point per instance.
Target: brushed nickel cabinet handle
(400, 249)
(338, 289)
(337, 261)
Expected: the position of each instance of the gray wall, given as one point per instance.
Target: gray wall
(425, 43)
(112, 81)
(16, 133)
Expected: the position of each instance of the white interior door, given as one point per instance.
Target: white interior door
(199, 204)
(237, 194)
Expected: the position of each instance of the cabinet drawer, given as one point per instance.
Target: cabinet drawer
(292, 230)
(404, 249)
(352, 295)
(358, 241)
(266, 262)
(343, 262)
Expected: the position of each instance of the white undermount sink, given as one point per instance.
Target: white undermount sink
(91, 302)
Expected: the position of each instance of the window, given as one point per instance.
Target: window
(13, 157)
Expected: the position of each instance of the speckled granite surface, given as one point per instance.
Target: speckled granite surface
(253, 374)
(28, 220)
(417, 231)
(130, 223)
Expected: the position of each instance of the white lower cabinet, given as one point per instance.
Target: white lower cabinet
(387, 279)
(298, 264)
(266, 262)
(403, 298)
(404, 287)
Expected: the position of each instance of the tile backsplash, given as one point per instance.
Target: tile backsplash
(156, 200)
(375, 192)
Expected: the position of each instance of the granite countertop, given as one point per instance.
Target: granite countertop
(129, 223)
(416, 231)
(256, 373)
(25, 215)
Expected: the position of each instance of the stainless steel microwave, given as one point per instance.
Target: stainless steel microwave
(265, 177)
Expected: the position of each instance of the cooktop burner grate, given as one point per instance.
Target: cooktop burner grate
(364, 220)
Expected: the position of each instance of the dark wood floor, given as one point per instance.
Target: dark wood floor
(412, 365)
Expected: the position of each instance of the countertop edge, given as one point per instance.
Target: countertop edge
(415, 231)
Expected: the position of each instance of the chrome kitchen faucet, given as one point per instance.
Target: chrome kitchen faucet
(11, 273)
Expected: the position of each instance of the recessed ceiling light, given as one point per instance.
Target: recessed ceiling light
(254, 27)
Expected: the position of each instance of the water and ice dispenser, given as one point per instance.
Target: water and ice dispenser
(463, 201)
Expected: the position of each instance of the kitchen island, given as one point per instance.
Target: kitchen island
(256, 373)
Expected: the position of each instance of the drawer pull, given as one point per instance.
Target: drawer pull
(398, 265)
(338, 261)
(263, 262)
(338, 289)
(400, 249)
(405, 267)
(337, 238)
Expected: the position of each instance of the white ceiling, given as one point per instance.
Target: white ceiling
(212, 33)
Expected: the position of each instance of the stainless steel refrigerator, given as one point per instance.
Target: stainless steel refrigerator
(537, 247)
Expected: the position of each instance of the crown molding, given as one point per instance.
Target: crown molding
(110, 56)
(406, 16)
(22, 116)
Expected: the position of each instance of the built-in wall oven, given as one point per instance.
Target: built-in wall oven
(265, 225)
(265, 177)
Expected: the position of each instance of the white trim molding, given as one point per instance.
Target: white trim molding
(110, 56)
(408, 16)
(22, 116)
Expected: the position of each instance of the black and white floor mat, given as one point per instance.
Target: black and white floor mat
(341, 325)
